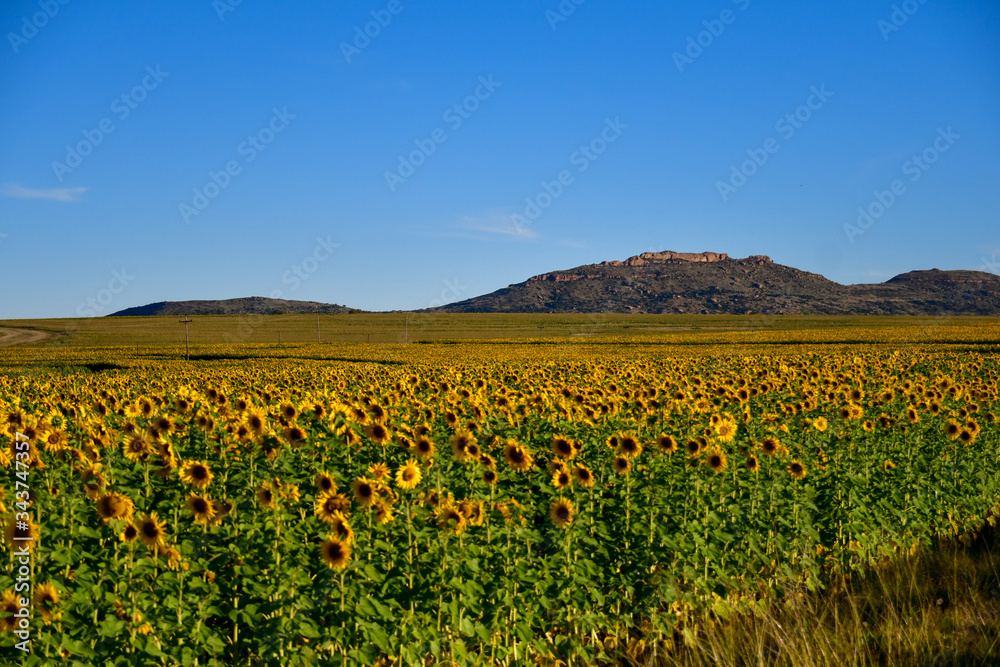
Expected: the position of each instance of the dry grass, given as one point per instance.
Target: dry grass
(939, 606)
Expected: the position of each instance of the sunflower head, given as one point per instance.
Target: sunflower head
(561, 512)
(622, 465)
(583, 476)
(716, 460)
(796, 469)
(364, 491)
(202, 509)
(408, 476)
(196, 473)
(666, 443)
(151, 530)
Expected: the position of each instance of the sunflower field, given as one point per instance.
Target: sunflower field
(501, 503)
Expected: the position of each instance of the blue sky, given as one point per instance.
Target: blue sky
(642, 110)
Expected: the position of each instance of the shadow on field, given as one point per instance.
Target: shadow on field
(252, 357)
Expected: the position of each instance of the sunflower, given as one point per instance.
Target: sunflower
(364, 491)
(725, 431)
(424, 446)
(912, 415)
(796, 469)
(223, 508)
(16, 536)
(952, 429)
(256, 421)
(966, 436)
(820, 424)
(561, 512)
(8, 608)
(46, 599)
(266, 497)
(449, 518)
(716, 460)
(163, 425)
(288, 411)
(330, 505)
(196, 473)
(114, 506)
(490, 476)
(770, 446)
(129, 533)
(517, 456)
(335, 553)
(378, 433)
(868, 425)
(693, 446)
(666, 443)
(408, 476)
(460, 444)
(151, 530)
(383, 511)
(887, 465)
(171, 553)
(622, 465)
(583, 476)
(378, 471)
(201, 508)
(55, 441)
(93, 481)
(561, 479)
(136, 448)
(629, 446)
(325, 483)
(563, 447)
(753, 465)
(295, 435)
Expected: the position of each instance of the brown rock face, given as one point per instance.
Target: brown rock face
(667, 255)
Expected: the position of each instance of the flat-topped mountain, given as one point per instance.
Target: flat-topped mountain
(253, 305)
(671, 282)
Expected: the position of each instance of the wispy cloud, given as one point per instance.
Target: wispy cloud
(58, 194)
(497, 221)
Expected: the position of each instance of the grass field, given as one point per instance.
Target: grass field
(506, 490)
(401, 327)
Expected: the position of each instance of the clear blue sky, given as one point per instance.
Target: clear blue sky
(446, 231)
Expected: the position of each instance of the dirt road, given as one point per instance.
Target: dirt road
(9, 337)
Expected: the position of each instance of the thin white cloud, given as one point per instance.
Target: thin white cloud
(57, 194)
(497, 221)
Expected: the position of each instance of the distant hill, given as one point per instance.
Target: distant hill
(253, 305)
(670, 282)
(673, 282)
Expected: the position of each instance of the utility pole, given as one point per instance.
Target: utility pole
(187, 342)
(318, 340)
(406, 330)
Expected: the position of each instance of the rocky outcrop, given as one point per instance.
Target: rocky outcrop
(669, 255)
